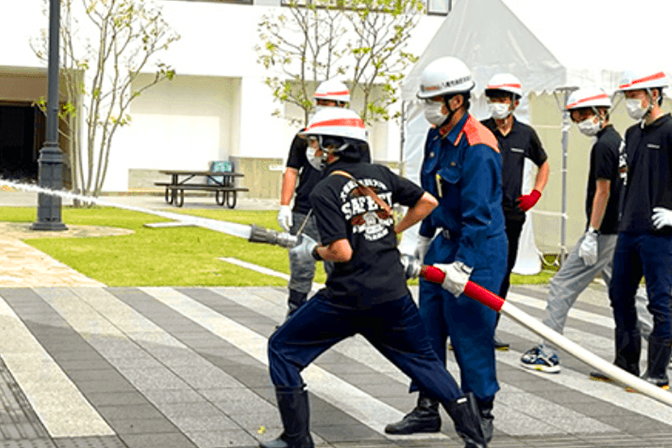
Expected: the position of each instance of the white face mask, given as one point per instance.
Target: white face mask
(315, 162)
(433, 113)
(635, 109)
(589, 127)
(499, 110)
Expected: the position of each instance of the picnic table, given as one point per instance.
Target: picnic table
(223, 184)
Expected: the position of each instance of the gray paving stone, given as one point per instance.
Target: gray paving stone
(115, 398)
(204, 423)
(173, 396)
(218, 439)
(129, 411)
(145, 426)
(166, 440)
(153, 378)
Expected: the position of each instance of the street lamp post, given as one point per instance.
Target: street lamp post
(51, 157)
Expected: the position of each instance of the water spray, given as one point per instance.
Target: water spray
(252, 233)
(414, 267)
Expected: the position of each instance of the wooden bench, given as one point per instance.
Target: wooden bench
(223, 184)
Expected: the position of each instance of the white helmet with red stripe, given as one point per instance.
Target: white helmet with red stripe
(336, 122)
(588, 97)
(642, 80)
(505, 82)
(332, 90)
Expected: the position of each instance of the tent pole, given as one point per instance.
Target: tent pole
(402, 138)
(566, 123)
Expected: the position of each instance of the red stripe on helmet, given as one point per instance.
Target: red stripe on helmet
(590, 98)
(499, 86)
(658, 75)
(354, 122)
(342, 92)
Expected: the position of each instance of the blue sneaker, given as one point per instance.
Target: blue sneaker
(542, 359)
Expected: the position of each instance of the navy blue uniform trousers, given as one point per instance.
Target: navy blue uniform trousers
(470, 324)
(650, 256)
(394, 328)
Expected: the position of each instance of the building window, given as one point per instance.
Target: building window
(439, 7)
(239, 2)
(434, 7)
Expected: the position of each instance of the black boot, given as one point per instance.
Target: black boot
(485, 409)
(295, 416)
(295, 300)
(424, 418)
(658, 359)
(628, 348)
(466, 416)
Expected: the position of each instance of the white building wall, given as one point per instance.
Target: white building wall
(217, 106)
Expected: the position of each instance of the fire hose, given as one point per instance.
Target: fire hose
(256, 234)
(496, 303)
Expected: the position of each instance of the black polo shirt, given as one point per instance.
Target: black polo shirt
(649, 179)
(374, 275)
(308, 177)
(604, 165)
(520, 143)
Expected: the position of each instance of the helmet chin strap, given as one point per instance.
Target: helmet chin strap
(446, 100)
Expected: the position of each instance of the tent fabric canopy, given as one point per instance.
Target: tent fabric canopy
(549, 44)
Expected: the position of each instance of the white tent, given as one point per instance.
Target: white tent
(546, 45)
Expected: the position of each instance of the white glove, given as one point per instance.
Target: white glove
(303, 251)
(285, 217)
(588, 248)
(661, 217)
(412, 266)
(422, 247)
(457, 276)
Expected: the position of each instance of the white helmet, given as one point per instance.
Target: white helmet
(588, 97)
(642, 80)
(332, 90)
(443, 76)
(336, 122)
(505, 82)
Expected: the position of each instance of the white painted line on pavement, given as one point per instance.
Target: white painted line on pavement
(516, 412)
(360, 405)
(575, 313)
(59, 404)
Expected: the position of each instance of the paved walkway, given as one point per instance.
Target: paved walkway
(93, 366)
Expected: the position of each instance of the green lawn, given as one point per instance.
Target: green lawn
(161, 257)
(171, 256)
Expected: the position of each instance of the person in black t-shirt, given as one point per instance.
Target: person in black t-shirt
(517, 142)
(366, 292)
(594, 252)
(644, 245)
(298, 180)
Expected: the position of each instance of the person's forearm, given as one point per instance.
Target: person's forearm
(600, 201)
(542, 177)
(288, 185)
(339, 251)
(417, 213)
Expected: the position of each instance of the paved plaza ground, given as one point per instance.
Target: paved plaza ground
(86, 365)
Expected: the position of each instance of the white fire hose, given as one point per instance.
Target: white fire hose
(493, 301)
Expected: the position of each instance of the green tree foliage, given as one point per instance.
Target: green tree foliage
(105, 45)
(359, 41)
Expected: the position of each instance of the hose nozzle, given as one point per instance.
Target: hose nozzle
(269, 236)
